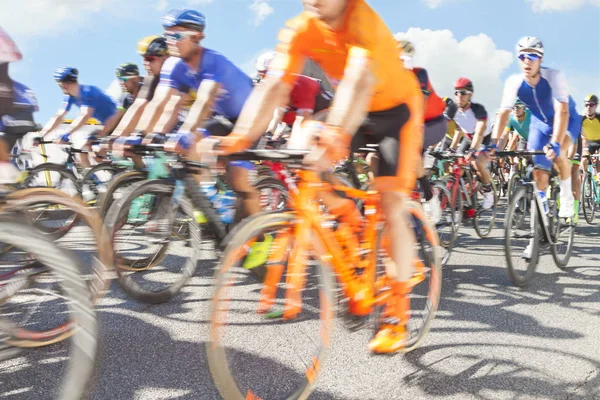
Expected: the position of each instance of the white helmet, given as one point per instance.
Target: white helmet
(9, 51)
(530, 43)
(263, 61)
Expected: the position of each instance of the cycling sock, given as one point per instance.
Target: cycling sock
(426, 186)
(565, 187)
(576, 206)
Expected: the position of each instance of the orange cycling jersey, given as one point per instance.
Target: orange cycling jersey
(308, 37)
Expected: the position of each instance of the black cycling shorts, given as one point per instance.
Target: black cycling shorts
(466, 143)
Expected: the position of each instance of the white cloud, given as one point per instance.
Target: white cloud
(435, 3)
(261, 9)
(560, 5)
(44, 17)
(474, 57)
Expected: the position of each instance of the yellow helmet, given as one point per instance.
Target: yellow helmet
(407, 47)
(153, 46)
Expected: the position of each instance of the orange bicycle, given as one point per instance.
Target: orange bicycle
(272, 320)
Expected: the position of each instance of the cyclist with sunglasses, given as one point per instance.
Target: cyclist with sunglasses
(155, 52)
(471, 123)
(555, 123)
(130, 81)
(590, 131)
(92, 102)
(518, 131)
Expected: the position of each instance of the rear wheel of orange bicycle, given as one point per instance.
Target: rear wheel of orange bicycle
(427, 278)
(254, 351)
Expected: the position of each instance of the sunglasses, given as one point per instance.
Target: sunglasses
(529, 56)
(177, 36)
(591, 105)
(518, 107)
(126, 78)
(150, 58)
(462, 92)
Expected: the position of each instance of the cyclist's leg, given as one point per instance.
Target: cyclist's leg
(593, 148)
(483, 171)
(539, 136)
(398, 128)
(574, 155)
(8, 171)
(435, 131)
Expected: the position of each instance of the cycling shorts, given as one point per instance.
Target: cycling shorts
(435, 131)
(540, 134)
(521, 144)
(592, 146)
(466, 143)
(221, 126)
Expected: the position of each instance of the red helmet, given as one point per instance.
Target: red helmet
(463, 83)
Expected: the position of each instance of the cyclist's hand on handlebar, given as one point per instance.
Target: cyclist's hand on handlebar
(552, 150)
(233, 143)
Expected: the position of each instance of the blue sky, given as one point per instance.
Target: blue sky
(474, 38)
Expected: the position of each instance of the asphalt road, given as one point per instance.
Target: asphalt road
(490, 340)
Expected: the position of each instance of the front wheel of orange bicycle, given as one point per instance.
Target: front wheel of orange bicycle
(426, 279)
(255, 352)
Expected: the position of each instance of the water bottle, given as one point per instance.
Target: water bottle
(227, 209)
(544, 199)
(211, 193)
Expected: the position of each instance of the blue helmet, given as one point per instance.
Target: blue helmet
(191, 19)
(66, 74)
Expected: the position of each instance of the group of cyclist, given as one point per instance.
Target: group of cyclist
(210, 105)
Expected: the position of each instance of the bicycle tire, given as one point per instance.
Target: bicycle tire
(588, 202)
(119, 212)
(104, 263)
(480, 229)
(88, 178)
(84, 339)
(556, 226)
(106, 199)
(446, 199)
(516, 278)
(457, 204)
(268, 182)
(435, 282)
(65, 174)
(217, 358)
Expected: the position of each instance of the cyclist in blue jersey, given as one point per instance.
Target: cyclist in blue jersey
(17, 105)
(555, 123)
(207, 82)
(92, 101)
(518, 130)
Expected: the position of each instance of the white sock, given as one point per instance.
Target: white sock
(565, 187)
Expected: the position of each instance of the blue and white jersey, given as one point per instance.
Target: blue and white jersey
(540, 100)
(235, 84)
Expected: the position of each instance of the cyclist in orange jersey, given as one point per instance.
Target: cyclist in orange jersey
(357, 51)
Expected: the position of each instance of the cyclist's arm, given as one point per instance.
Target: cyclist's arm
(84, 115)
(202, 107)
(458, 135)
(500, 125)
(170, 115)
(512, 144)
(131, 118)
(154, 110)
(584, 147)
(54, 122)
(561, 106)
(350, 104)
(278, 115)
(478, 136)
(561, 120)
